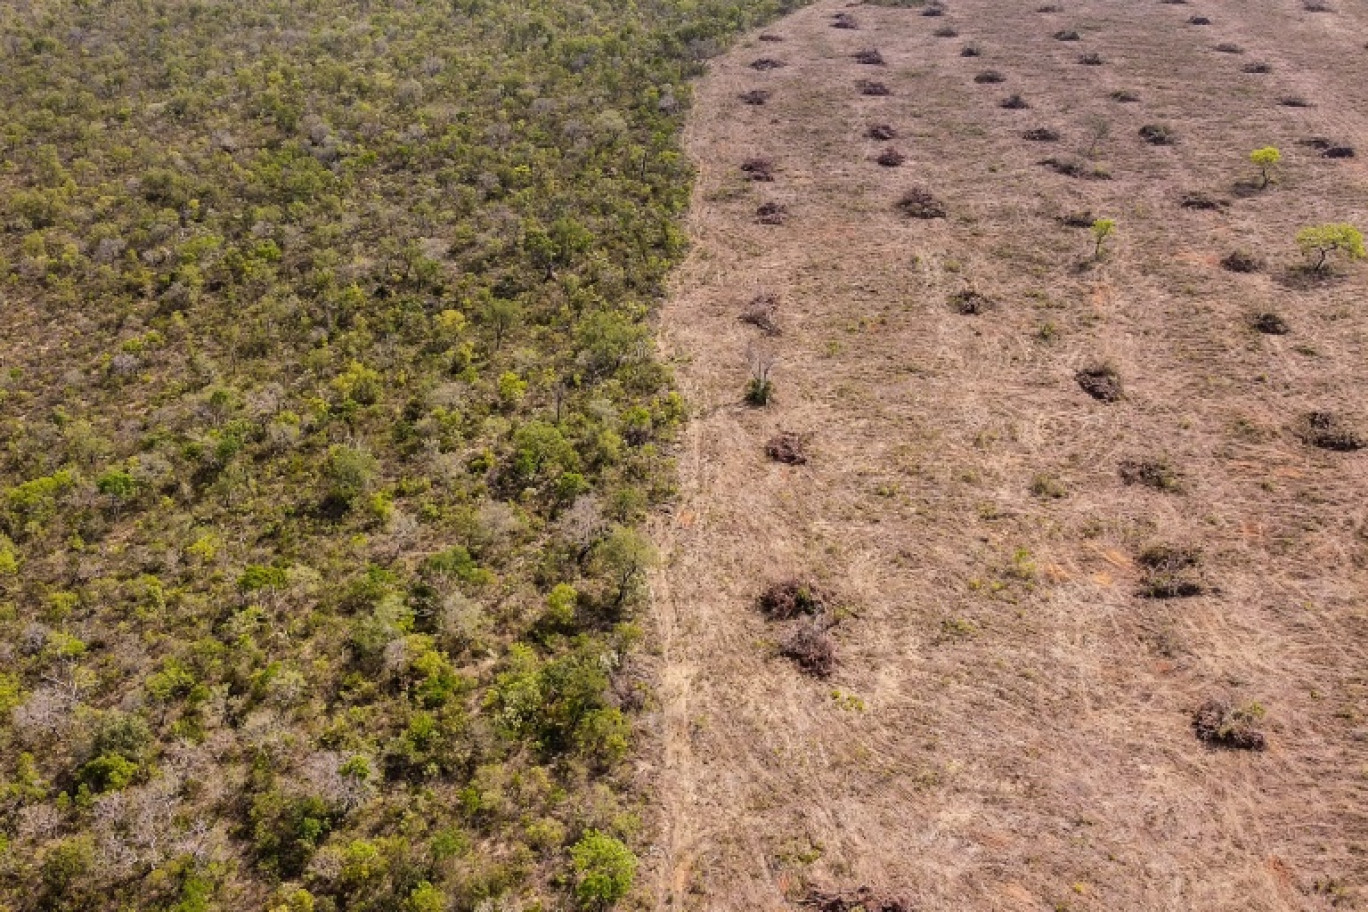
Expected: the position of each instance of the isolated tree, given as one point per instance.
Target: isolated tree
(1099, 128)
(1267, 159)
(760, 390)
(1321, 241)
(1102, 229)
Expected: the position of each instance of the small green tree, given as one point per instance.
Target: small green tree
(1102, 229)
(604, 870)
(1267, 159)
(1321, 241)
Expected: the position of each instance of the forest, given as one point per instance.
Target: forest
(330, 413)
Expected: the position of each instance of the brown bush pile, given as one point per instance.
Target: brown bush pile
(870, 56)
(1331, 432)
(1042, 134)
(1067, 35)
(755, 96)
(918, 202)
(758, 169)
(870, 87)
(1270, 324)
(1202, 202)
(791, 598)
(1157, 135)
(989, 77)
(881, 131)
(1240, 261)
(891, 158)
(762, 312)
(766, 63)
(1221, 724)
(1169, 571)
(810, 646)
(1152, 473)
(1102, 382)
(771, 213)
(787, 447)
(862, 900)
(844, 21)
(971, 303)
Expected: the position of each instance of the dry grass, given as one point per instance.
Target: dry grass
(1011, 724)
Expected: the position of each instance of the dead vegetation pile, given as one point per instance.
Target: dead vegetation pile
(873, 88)
(771, 213)
(791, 598)
(869, 56)
(1241, 261)
(1270, 324)
(844, 21)
(1330, 431)
(756, 96)
(811, 648)
(990, 77)
(1170, 571)
(766, 63)
(1158, 134)
(970, 303)
(1041, 134)
(762, 312)
(921, 203)
(787, 447)
(1221, 723)
(891, 158)
(1014, 103)
(1101, 381)
(862, 900)
(758, 169)
(1158, 474)
(881, 131)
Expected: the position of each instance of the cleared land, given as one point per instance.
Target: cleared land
(1010, 725)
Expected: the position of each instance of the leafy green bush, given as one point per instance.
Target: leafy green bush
(604, 870)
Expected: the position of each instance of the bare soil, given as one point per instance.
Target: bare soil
(1012, 724)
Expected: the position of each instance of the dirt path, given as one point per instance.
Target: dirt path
(1010, 723)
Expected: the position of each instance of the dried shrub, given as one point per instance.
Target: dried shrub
(1294, 101)
(810, 647)
(771, 38)
(945, 31)
(881, 131)
(1316, 142)
(869, 56)
(989, 77)
(791, 598)
(1124, 96)
(1257, 68)
(1074, 167)
(971, 303)
(1050, 8)
(1202, 202)
(1175, 2)
(1239, 261)
(1157, 134)
(758, 169)
(762, 312)
(1158, 474)
(756, 96)
(1101, 381)
(934, 9)
(844, 21)
(1222, 724)
(921, 203)
(1199, 20)
(1317, 6)
(1067, 35)
(787, 447)
(1083, 219)
(863, 900)
(1041, 134)
(891, 158)
(870, 87)
(1270, 324)
(1339, 152)
(1330, 432)
(971, 50)
(1168, 571)
(766, 63)
(1091, 59)
(1014, 103)
(771, 213)
(1228, 47)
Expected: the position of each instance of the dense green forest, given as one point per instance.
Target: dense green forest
(330, 412)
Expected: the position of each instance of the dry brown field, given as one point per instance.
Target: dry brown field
(1010, 720)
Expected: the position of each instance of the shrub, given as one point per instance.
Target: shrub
(1330, 432)
(788, 448)
(1157, 134)
(891, 158)
(1101, 382)
(792, 597)
(762, 313)
(989, 77)
(1102, 229)
(1240, 261)
(1014, 103)
(810, 646)
(1153, 473)
(604, 870)
(1167, 572)
(869, 56)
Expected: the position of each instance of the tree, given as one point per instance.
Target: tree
(1102, 229)
(604, 870)
(1267, 159)
(1323, 240)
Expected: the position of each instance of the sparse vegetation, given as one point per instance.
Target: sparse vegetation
(1169, 572)
(791, 598)
(1330, 431)
(1270, 324)
(1158, 474)
(1157, 134)
(760, 388)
